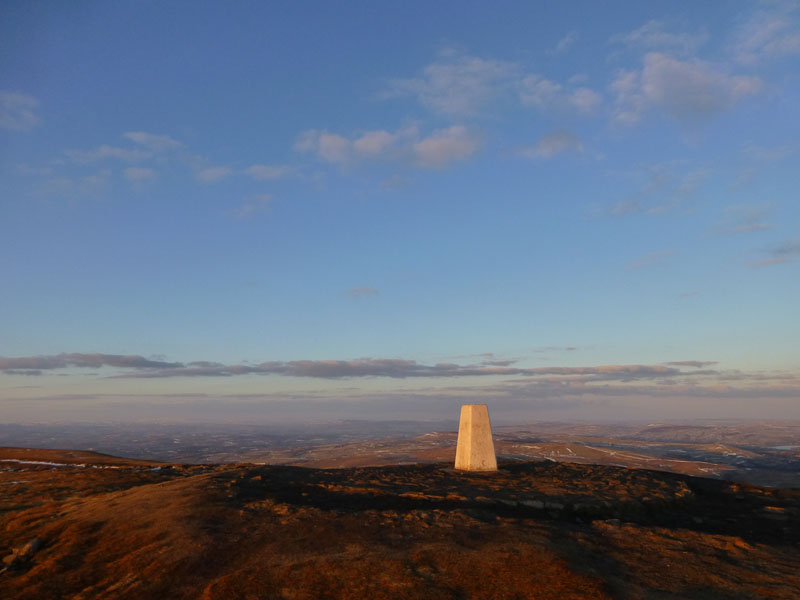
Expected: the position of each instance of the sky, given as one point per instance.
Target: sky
(265, 211)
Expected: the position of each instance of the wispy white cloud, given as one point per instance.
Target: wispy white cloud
(650, 259)
(397, 182)
(93, 361)
(771, 32)
(768, 154)
(436, 150)
(401, 369)
(546, 349)
(654, 36)
(334, 148)
(375, 144)
(686, 187)
(371, 145)
(138, 366)
(691, 181)
(105, 152)
(93, 183)
(686, 379)
(553, 143)
(254, 205)
(749, 228)
(152, 141)
(741, 218)
(445, 146)
(330, 147)
(667, 186)
(697, 364)
(34, 171)
(266, 172)
(658, 178)
(18, 111)
(756, 156)
(543, 94)
(90, 184)
(565, 43)
(456, 83)
(214, 174)
(785, 252)
(139, 174)
(146, 146)
(766, 262)
(689, 91)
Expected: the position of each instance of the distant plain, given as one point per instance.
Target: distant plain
(755, 452)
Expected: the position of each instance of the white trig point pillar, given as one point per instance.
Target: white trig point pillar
(475, 449)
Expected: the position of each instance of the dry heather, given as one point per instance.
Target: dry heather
(531, 530)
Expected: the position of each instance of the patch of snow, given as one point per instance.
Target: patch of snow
(41, 462)
(55, 464)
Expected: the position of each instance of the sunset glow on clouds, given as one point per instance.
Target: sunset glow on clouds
(386, 205)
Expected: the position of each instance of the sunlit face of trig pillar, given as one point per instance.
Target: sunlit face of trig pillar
(475, 449)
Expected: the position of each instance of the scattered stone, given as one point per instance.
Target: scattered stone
(776, 513)
(774, 509)
(19, 556)
(30, 548)
(11, 561)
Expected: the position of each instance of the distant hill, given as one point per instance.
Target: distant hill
(757, 452)
(81, 525)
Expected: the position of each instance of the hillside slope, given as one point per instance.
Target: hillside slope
(531, 530)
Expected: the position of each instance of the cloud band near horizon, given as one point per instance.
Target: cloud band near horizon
(140, 367)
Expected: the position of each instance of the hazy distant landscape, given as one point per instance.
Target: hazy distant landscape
(756, 452)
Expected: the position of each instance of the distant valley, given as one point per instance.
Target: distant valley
(760, 453)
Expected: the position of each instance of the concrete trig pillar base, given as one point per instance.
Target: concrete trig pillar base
(475, 449)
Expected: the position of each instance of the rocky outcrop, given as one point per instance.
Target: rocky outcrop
(21, 555)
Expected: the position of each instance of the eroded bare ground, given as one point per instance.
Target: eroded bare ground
(531, 530)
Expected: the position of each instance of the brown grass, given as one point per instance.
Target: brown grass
(531, 530)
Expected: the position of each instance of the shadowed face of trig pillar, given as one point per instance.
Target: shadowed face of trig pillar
(475, 449)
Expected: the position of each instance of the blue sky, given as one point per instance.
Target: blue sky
(569, 210)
